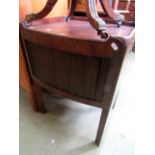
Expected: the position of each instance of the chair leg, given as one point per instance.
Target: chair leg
(101, 126)
(39, 98)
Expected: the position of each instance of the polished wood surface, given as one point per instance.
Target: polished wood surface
(106, 6)
(26, 7)
(43, 13)
(80, 58)
(71, 60)
(25, 82)
(78, 28)
(60, 32)
(29, 6)
(72, 6)
(127, 8)
(97, 23)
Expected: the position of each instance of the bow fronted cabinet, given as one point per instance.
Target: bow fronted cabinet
(79, 58)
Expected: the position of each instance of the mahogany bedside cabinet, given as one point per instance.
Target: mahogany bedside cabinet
(79, 58)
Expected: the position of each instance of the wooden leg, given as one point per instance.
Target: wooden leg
(32, 99)
(25, 81)
(101, 126)
(38, 96)
(72, 7)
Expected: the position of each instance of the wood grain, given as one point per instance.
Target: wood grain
(70, 60)
(24, 80)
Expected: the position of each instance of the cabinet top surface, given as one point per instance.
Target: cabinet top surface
(77, 29)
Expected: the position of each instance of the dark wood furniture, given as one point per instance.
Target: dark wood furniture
(106, 8)
(126, 7)
(24, 77)
(25, 82)
(79, 59)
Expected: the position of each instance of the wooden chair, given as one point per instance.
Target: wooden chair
(125, 7)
